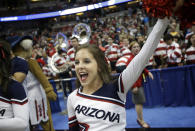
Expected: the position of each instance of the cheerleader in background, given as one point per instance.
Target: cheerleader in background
(14, 110)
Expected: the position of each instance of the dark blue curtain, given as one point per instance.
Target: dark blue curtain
(173, 86)
(153, 90)
(55, 105)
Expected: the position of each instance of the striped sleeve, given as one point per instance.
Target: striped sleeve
(177, 53)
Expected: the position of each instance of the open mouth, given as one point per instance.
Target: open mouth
(83, 76)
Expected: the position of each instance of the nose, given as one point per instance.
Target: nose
(80, 65)
(137, 47)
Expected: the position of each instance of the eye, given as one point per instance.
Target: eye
(87, 60)
(76, 62)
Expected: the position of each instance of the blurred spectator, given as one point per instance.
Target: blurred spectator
(61, 63)
(151, 63)
(112, 52)
(160, 54)
(122, 63)
(124, 48)
(190, 52)
(174, 54)
(50, 50)
(71, 53)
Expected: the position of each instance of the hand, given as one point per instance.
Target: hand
(134, 90)
(51, 96)
(165, 57)
(151, 75)
(70, 73)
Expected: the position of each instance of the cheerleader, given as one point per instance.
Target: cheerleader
(99, 103)
(14, 110)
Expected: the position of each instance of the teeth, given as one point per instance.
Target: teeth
(83, 76)
(83, 73)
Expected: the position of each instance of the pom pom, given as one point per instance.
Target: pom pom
(159, 8)
(186, 14)
(26, 44)
(183, 9)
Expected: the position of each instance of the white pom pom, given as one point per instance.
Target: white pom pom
(26, 44)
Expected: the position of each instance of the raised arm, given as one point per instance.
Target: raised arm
(134, 69)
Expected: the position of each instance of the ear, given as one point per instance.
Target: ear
(26, 44)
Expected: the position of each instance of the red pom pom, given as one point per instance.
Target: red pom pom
(186, 14)
(163, 8)
(159, 8)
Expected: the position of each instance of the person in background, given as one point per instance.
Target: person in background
(124, 50)
(50, 50)
(62, 64)
(190, 52)
(125, 54)
(174, 55)
(160, 54)
(151, 63)
(112, 52)
(71, 53)
(122, 63)
(14, 108)
(137, 89)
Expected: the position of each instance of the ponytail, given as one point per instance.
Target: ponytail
(5, 64)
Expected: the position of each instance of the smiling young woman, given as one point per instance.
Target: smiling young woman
(91, 74)
(99, 102)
